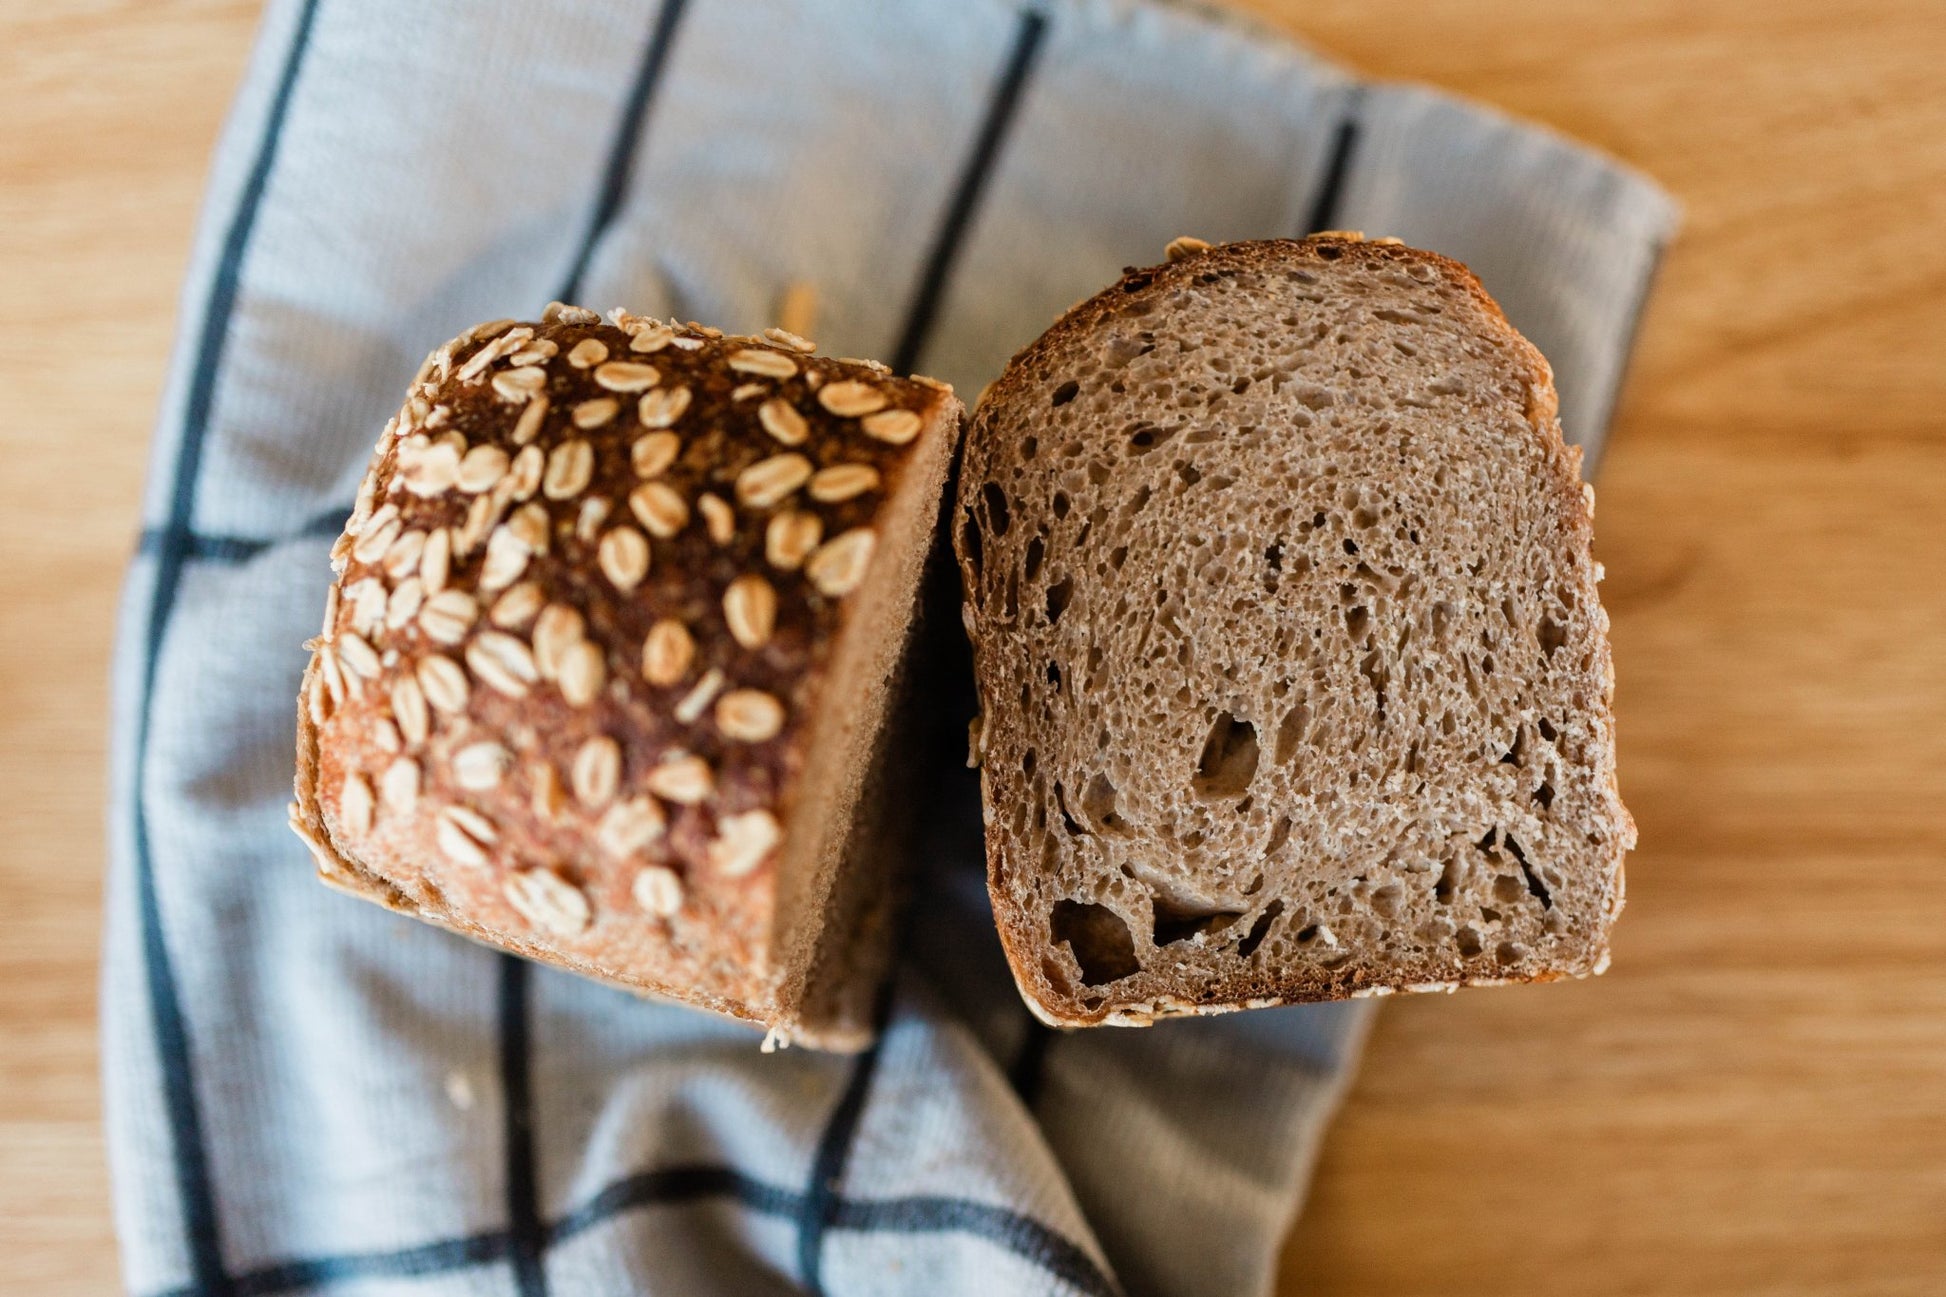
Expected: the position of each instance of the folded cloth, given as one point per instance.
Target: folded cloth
(307, 1094)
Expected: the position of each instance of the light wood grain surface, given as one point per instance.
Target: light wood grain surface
(1752, 1102)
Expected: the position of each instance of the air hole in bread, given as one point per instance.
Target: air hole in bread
(1259, 930)
(1358, 623)
(1450, 873)
(1066, 392)
(1097, 937)
(1545, 795)
(1054, 676)
(1144, 438)
(1029, 447)
(1058, 596)
(1098, 803)
(1061, 504)
(1535, 885)
(1036, 549)
(1552, 635)
(1074, 827)
(1468, 941)
(1177, 922)
(1229, 759)
(1372, 667)
(1188, 472)
(995, 500)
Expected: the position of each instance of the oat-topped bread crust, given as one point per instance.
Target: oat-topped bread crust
(608, 653)
(1294, 676)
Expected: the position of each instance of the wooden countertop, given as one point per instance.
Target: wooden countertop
(1753, 1101)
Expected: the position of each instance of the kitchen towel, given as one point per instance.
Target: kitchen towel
(307, 1094)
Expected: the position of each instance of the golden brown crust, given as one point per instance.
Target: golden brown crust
(1023, 385)
(585, 618)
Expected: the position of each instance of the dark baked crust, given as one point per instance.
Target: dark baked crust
(715, 829)
(995, 437)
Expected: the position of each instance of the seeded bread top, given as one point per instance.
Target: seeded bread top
(583, 610)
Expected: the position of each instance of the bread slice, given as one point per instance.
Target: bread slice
(608, 661)
(1294, 679)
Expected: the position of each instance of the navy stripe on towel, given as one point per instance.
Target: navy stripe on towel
(966, 194)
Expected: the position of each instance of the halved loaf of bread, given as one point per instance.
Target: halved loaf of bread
(1294, 679)
(606, 670)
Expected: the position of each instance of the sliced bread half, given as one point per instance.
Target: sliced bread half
(1294, 679)
(607, 674)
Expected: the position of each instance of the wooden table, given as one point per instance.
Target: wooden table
(1753, 1101)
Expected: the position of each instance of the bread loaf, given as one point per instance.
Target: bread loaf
(608, 657)
(1294, 679)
